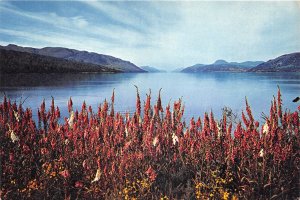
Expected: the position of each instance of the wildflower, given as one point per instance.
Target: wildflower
(53, 143)
(219, 130)
(144, 183)
(164, 198)
(85, 164)
(261, 153)
(138, 102)
(78, 184)
(97, 176)
(52, 174)
(57, 112)
(11, 157)
(26, 148)
(67, 141)
(71, 119)
(265, 128)
(155, 141)
(14, 138)
(174, 138)
(16, 116)
(158, 104)
(65, 173)
(127, 145)
(70, 105)
(234, 197)
(151, 173)
(225, 195)
(33, 184)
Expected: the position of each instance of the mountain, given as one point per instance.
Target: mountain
(24, 62)
(220, 62)
(284, 63)
(79, 56)
(222, 66)
(194, 68)
(251, 63)
(178, 69)
(151, 69)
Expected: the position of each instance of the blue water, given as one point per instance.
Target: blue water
(200, 92)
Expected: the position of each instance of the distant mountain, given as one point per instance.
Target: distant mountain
(284, 63)
(79, 56)
(250, 63)
(24, 62)
(151, 69)
(178, 69)
(194, 68)
(222, 66)
(220, 62)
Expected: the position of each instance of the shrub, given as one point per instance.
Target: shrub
(104, 154)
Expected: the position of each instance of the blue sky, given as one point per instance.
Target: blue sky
(167, 35)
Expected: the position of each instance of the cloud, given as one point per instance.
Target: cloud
(53, 39)
(163, 34)
(80, 26)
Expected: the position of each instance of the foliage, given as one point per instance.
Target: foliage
(154, 155)
(13, 62)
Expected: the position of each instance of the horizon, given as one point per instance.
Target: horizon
(165, 35)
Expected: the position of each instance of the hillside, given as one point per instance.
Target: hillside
(24, 62)
(222, 66)
(79, 56)
(152, 69)
(284, 63)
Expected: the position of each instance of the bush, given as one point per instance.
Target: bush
(153, 155)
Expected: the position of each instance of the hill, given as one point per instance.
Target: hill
(284, 63)
(152, 69)
(24, 62)
(79, 56)
(222, 66)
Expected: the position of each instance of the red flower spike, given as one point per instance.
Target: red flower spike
(158, 104)
(138, 102)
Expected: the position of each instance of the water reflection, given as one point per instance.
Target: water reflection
(60, 80)
(200, 92)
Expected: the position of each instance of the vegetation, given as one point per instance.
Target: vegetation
(285, 63)
(154, 155)
(23, 62)
(89, 59)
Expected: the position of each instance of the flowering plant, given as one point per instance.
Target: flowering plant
(150, 154)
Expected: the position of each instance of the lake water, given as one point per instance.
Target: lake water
(200, 92)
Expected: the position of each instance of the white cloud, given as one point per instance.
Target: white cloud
(233, 31)
(170, 34)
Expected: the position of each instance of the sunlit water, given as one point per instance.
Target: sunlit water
(200, 92)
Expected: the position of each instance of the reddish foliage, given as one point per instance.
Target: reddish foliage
(93, 155)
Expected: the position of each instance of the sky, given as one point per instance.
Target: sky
(163, 34)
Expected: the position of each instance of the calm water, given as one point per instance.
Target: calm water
(200, 92)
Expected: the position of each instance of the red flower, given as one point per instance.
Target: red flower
(151, 173)
(44, 151)
(65, 173)
(78, 184)
(138, 102)
(11, 157)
